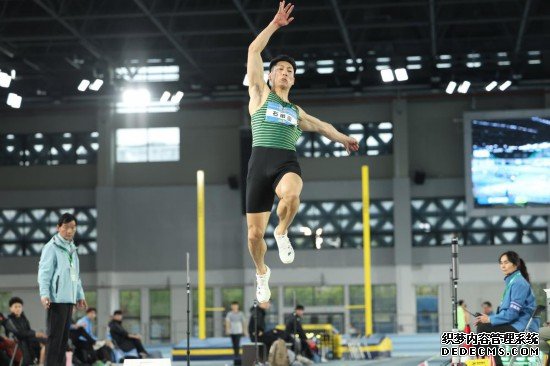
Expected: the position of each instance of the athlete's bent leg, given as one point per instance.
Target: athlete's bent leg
(257, 223)
(288, 190)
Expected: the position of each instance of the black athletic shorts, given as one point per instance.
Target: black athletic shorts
(266, 167)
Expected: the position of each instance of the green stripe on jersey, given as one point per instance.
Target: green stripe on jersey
(273, 124)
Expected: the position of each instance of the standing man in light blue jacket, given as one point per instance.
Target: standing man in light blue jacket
(60, 287)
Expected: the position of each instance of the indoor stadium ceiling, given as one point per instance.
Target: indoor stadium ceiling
(53, 44)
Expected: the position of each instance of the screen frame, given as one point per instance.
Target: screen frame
(471, 210)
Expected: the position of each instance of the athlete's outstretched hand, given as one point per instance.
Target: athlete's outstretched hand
(282, 18)
(350, 144)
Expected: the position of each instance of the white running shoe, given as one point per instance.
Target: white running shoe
(286, 252)
(263, 294)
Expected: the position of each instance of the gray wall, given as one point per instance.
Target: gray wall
(154, 227)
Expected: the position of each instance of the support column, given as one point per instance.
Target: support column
(107, 303)
(178, 313)
(144, 314)
(281, 305)
(106, 193)
(406, 299)
(218, 325)
(347, 316)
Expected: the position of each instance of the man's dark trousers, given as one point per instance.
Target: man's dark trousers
(59, 321)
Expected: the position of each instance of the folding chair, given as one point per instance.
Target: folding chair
(539, 309)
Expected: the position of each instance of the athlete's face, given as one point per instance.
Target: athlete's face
(282, 75)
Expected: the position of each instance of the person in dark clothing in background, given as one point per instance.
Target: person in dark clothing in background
(268, 337)
(124, 340)
(293, 327)
(32, 343)
(256, 325)
(487, 308)
(84, 348)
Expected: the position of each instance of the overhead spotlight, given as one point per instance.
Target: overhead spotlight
(136, 97)
(96, 85)
(443, 65)
(401, 74)
(387, 75)
(451, 87)
(84, 84)
(325, 66)
(463, 88)
(491, 86)
(176, 98)
(325, 62)
(300, 64)
(14, 100)
(165, 97)
(505, 85)
(325, 70)
(12, 74)
(5, 80)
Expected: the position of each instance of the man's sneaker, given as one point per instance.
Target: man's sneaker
(263, 294)
(286, 252)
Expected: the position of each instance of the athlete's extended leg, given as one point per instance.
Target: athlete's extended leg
(288, 190)
(257, 223)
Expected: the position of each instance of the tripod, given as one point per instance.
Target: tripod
(455, 360)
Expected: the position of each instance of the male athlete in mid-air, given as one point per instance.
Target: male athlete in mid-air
(273, 167)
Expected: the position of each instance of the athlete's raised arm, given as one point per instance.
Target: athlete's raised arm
(254, 65)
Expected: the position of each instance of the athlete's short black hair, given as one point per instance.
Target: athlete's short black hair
(286, 58)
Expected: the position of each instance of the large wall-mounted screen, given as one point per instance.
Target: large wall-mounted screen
(508, 160)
